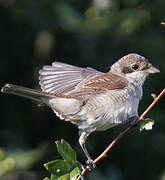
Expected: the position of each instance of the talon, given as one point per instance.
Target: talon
(90, 165)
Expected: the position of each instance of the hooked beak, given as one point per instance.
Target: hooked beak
(151, 69)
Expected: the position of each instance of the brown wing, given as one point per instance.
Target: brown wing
(61, 78)
(108, 81)
(99, 84)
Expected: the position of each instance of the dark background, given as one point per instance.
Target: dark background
(84, 33)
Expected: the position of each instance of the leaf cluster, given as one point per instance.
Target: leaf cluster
(66, 168)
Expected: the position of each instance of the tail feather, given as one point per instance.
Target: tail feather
(26, 92)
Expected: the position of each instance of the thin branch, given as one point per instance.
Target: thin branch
(125, 131)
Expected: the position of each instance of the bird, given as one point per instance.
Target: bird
(88, 98)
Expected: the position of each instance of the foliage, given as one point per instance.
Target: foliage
(66, 168)
(146, 124)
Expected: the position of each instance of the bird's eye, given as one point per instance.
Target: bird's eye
(135, 67)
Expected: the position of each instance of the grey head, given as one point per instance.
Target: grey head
(134, 67)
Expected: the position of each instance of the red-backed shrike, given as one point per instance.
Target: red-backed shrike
(92, 100)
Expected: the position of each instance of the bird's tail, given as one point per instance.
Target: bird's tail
(26, 92)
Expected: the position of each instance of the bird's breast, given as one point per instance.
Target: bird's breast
(111, 108)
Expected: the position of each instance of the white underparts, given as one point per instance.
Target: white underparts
(64, 107)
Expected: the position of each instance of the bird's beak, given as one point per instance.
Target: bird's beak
(151, 69)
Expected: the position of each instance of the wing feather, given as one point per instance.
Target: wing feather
(108, 81)
(61, 78)
(65, 79)
(99, 84)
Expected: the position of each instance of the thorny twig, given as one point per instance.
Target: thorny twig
(125, 131)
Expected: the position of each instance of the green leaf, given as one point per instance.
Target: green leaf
(66, 151)
(57, 167)
(64, 177)
(146, 124)
(54, 177)
(67, 168)
(75, 173)
(47, 178)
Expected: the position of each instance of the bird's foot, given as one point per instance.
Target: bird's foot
(90, 165)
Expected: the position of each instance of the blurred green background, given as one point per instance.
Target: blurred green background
(92, 33)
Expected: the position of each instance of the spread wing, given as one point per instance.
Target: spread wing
(108, 81)
(99, 84)
(61, 78)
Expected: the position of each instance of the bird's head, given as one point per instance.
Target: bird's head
(134, 67)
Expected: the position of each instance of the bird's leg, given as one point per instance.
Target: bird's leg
(82, 139)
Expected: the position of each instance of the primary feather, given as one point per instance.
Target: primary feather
(63, 78)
